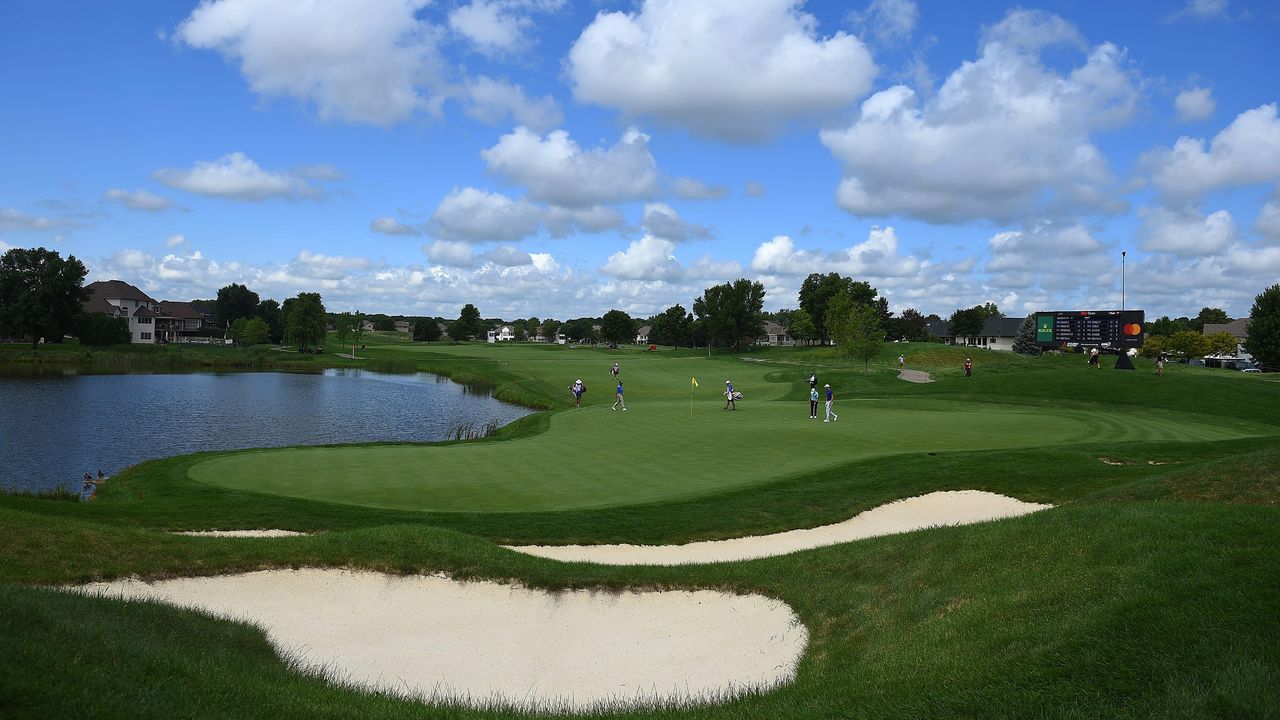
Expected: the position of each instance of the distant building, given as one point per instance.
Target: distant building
(118, 298)
(403, 326)
(642, 335)
(1236, 328)
(996, 334)
(502, 334)
(775, 335)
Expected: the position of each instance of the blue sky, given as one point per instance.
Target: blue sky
(558, 159)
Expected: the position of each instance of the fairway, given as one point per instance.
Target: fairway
(594, 457)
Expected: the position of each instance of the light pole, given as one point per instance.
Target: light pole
(1122, 254)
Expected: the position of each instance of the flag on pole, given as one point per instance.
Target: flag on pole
(695, 381)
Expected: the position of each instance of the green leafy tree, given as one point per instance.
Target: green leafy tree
(1263, 331)
(854, 328)
(549, 329)
(1187, 342)
(967, 323)
(617, 327)
(818, 290)
(426, 330)
(913, 326)
(1154, 345)
(98, 328)
(234, 301)
(470, 317)
(384, 323)
(989, 310)
(458, 331)
(802, 327)
(270, 312)
(1025, 342)
(1221, 343)
(1165, 326)
(733, 313)
(580, 329)
(671, 327)
(342, 327)
(1209, 315)
(41, 294)
(255, 332)
(305, 320)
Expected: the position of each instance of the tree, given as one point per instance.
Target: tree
(1187, 342)
(40, 293)
(256, 332)
(581, 329)
(802, 327)
(305, 320)
(1221, 343)
(1025, 342)
(384, 323)
(550, 327)
(97, 328)
(1164, 326)
(1154, 345)
(967, 323)
(470, 317)
(234, 301)
(913, 326)
(1209, 315)
(1263, 330)
(342, 327)
(458, 331)
(732, 313)
(989, 310)
(816, 293)
(426, 330)
(617, 327)
(855, 328)
(270, 312)
(671, 327)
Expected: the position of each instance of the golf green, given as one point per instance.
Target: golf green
(659, 450)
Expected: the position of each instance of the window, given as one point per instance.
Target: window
(144, 321)
(145, 336)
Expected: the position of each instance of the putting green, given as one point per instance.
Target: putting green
(595, 457)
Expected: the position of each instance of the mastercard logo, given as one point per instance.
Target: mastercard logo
(1133, 329)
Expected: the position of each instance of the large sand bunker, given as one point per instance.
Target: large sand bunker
(483, 643)
(241, 533)
(956, 507)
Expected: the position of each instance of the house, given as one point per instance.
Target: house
(366, 326)
(642, 335)
(996, 334)
(775, 335)
(120, 299)
(183, 320)
(502, 334)
(403, 326)
(1237, 328)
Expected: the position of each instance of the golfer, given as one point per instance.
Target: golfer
(729, 402)
(1093, 358)
(813, 403)
(813, 381)
(615, 370)
(1160, 363)
(968, 367)
(831, 398)
(902, 361)
(617, 397)
(577, 388)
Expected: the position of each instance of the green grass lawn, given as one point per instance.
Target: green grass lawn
(1152, 591)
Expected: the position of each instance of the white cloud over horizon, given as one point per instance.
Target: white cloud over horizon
(235, 176)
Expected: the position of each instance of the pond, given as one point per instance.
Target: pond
(54, 429)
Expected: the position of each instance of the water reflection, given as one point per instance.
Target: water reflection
(54, 428)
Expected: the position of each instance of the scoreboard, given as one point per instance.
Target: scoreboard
(1113, 329)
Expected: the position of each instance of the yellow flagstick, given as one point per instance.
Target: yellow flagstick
(693, 383)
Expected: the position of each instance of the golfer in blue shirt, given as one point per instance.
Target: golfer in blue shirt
(618, 398)
(831, 397)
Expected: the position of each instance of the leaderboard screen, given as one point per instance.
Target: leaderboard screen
(1117, 329)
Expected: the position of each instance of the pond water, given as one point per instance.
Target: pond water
(54, 429)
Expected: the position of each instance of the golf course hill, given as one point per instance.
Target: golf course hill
(1128, 569)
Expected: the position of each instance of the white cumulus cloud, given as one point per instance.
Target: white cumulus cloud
(471, 215)
(1194, 104)
(1005, 137)
(877, 257)
(1246, 152)
(737, 70)
(1185, 233)
(648, 258)
(888, 21)
(367, 61)
(556, 170)
(662, 220)
(391, 226)
(235, 176)
(494, 101)
(496, 27)
(691, 189)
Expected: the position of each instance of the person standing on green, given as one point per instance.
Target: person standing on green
(813, 403)
(618, 398)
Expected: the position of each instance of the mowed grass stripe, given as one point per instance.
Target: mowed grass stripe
(594, 457)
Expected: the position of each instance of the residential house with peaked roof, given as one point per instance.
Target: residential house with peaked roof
(996, 334)
(1239, 329)
(120, 299)
(775, 334)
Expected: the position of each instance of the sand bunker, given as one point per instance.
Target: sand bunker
(241, 533)
(915, 376)
(480, 643)
(938, 508)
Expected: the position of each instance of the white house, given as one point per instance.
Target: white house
(642, 335)
(775, 334)
(502, 334)
(120, 299)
